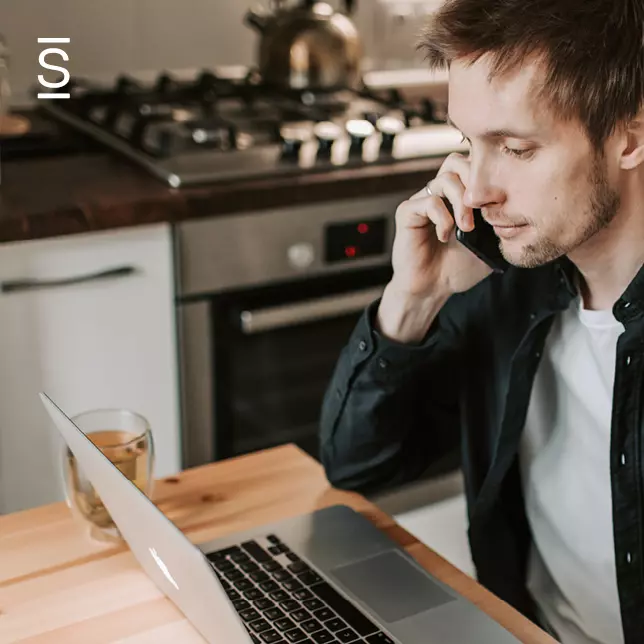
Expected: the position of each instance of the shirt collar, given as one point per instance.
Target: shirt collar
(628, 307)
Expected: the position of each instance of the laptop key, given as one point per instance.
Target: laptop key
(270, 586)
(298, 567)
(279, 595)
(253, 594)
(289, 605)
(323, 614)
(292, 585)
(275, 550)
(258, 576)
(239, 557)
(311, 625)
(335, 624)
(223, 565)
(313, 604)
(296, 635)
(270, 637)
(282, 575)
(241, 604)
(273, 539)
(249, 614)
(256, 551)
(249, 566)
(379, 638)
(346, 610)
(292, 556)
(243, 584)
(273, 614)
(284, 624)
(300, 615)
(260, 625)
(321, 637)
(271, 566)
(347, 635)
(309, 578)
(232, 594)
(234, 575)
(221, 554)
(264, 604)
(302, 594)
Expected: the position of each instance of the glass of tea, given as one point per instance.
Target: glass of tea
(126, 440)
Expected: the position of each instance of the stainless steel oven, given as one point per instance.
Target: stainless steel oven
(266, 301)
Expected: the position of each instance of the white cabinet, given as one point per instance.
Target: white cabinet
(94, 344)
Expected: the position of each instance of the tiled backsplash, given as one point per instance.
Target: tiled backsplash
(113, 36)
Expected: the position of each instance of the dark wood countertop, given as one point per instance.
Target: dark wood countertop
(76, 194)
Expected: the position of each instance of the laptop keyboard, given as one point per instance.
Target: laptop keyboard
(281, 600)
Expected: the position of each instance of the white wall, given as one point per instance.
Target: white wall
(113, 36)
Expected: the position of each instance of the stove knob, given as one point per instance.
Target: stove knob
(164, 83)
(372, 117)
(389, 127)
(292, 137)
(327, 133)
(359, 130)
(301, 255)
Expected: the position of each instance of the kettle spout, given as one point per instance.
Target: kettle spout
(256, 21)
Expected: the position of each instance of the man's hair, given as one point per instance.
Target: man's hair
(592, 52)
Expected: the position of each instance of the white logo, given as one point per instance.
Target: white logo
(163, 567)
(43, 63)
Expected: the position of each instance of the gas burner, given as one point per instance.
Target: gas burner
(209, 128)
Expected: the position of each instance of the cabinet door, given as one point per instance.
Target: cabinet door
(98, 343)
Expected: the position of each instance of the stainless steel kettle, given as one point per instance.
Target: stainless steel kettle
(308, 46)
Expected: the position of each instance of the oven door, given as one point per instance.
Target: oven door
(258, 376)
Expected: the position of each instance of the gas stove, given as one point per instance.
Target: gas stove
(210, 128)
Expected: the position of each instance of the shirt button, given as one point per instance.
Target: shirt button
(362, 345)
(625, 305)
(533, 316)
(629, 558)
(623, 459)
(382, 363)
(628, 360)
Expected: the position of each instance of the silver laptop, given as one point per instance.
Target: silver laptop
(328, 576)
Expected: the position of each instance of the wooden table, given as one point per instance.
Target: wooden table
(58, 585)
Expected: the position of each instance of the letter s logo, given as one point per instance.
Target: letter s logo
(46, 65)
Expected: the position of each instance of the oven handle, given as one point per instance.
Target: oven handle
(280, 317)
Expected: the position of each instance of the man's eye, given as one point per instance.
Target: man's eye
(519, 154)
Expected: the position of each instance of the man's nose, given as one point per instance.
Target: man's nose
(480, 190)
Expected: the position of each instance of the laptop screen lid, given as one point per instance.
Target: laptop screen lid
(179, 569)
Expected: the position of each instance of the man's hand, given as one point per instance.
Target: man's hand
(429, 263)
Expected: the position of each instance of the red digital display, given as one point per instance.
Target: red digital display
(350, 251)
(363, 229)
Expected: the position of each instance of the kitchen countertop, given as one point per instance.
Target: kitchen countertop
(59, 586)
(81, 193)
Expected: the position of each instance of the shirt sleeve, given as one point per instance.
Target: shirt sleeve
(391, 410)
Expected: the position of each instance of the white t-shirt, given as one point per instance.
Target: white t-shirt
(565, 467)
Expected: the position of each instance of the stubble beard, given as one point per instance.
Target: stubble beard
(602, 208)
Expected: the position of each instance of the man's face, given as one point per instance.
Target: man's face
(536, 178)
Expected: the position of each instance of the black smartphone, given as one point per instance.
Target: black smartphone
(481, 241)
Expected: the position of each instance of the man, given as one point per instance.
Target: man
(536, 373)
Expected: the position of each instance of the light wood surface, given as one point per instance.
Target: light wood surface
(57, 585)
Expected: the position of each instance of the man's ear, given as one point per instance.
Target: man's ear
(632, 154)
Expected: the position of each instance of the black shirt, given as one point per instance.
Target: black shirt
(393, 410)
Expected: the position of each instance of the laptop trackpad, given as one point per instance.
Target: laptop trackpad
(391, 586)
